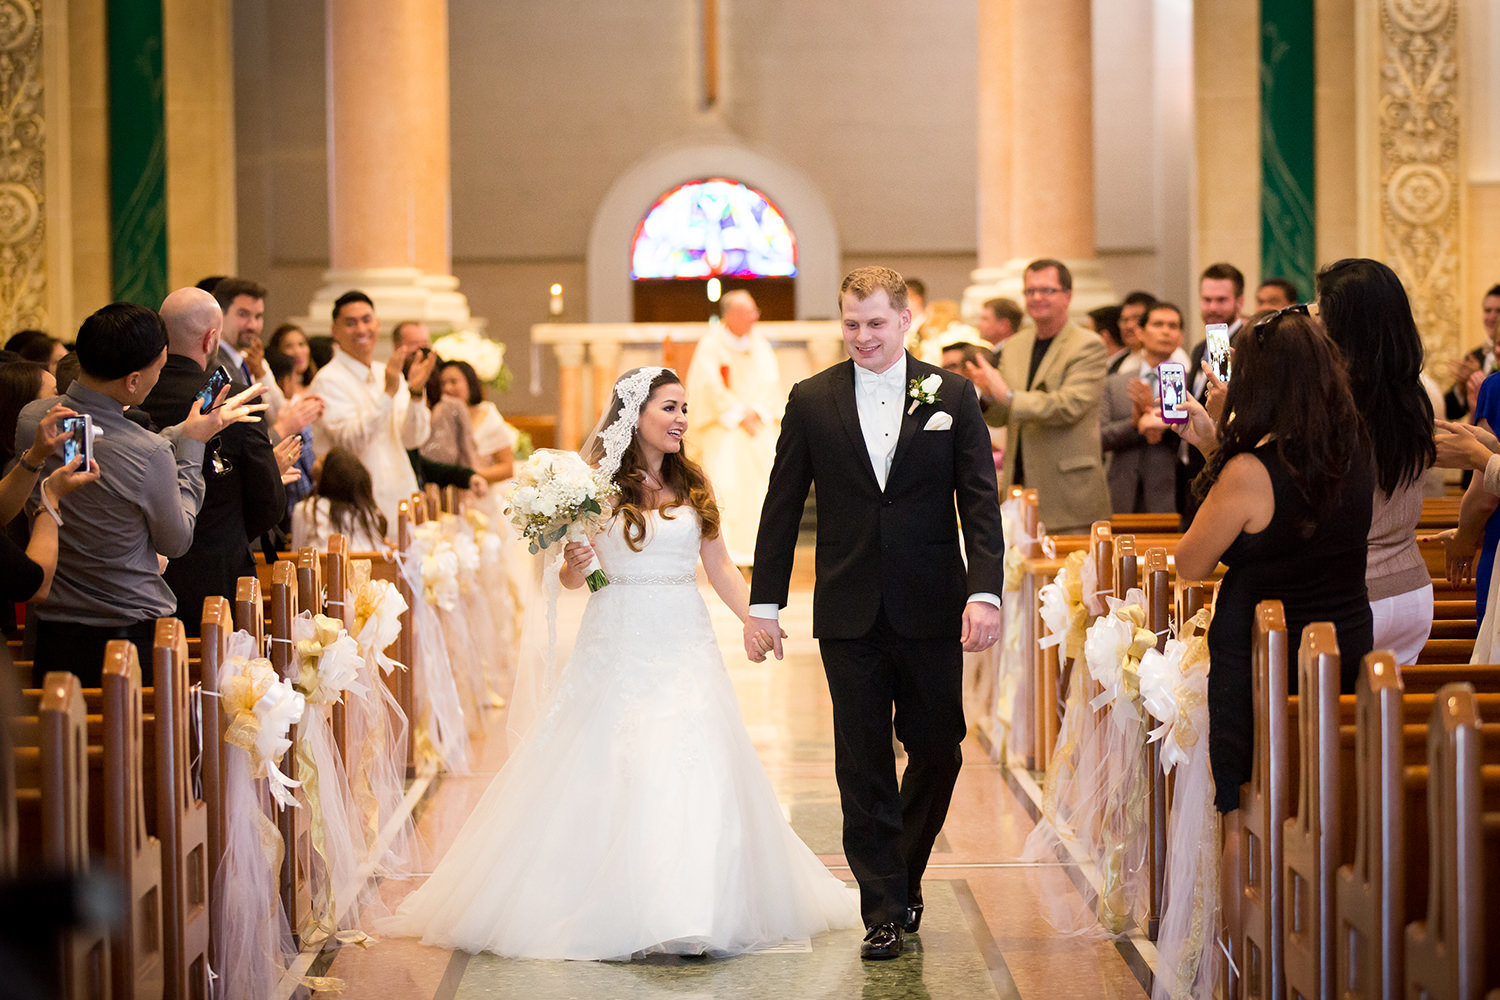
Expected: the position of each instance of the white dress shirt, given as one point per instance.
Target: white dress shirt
(379, 428)
(878, 398)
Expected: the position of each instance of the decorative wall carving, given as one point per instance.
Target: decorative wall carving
(23, 276)
(1420, 200)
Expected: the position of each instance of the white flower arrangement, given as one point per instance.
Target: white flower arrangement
(924, 391)
(485, 356)
(558, 497)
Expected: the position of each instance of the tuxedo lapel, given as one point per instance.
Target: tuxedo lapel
(843, 399)
(911, 417)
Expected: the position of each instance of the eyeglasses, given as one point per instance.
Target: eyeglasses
(1300, 308)
(1032, 293)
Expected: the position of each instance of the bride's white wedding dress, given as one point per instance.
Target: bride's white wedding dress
(635, 816)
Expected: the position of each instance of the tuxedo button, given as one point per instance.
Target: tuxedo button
(890, 503)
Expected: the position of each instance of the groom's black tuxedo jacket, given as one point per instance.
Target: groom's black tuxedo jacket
(897, 548)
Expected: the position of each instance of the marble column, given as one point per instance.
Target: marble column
(1036, 148)
(389, 182)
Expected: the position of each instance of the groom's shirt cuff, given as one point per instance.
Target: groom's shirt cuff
(771, 611)
(985, 598)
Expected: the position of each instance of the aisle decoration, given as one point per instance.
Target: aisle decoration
(1012, 681)
(376, 724)
(557, 497)
(438, 732)
(1113, 651)
(328, 668)
(255, 948)
(1174, 690)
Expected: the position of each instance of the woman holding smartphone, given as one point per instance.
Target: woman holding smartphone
(1287, 494)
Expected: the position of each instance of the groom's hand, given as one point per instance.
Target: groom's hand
(762, 636)
(981, 626)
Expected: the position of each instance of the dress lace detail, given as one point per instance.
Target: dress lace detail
(635, 815)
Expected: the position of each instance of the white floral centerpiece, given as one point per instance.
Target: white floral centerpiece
(485, 356)
(558, 497)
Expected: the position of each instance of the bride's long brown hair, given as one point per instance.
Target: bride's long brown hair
(684, 476)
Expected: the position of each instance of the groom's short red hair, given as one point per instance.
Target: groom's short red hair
(862, 282)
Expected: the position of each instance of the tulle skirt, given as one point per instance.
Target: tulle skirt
(635, 816)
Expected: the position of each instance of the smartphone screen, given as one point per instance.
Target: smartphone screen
(79, 440)
(1218, 350)
(217, 380)
(1171, 380)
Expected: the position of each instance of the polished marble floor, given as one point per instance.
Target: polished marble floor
(982, 937)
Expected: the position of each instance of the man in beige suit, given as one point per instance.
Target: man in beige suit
(1047, 389)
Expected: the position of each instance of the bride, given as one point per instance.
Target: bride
(635, 816)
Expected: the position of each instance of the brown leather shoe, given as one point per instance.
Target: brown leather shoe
(882, 942)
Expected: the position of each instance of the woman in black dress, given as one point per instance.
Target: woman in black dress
(1287, 495)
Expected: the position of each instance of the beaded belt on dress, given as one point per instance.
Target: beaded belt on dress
(654, 579)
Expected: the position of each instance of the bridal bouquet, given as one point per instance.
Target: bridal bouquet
(558, 497)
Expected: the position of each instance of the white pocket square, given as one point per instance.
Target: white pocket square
(939, 421)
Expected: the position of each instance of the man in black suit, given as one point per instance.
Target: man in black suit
(243, 493)
(891, 443)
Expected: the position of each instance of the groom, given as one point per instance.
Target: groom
(891, 443)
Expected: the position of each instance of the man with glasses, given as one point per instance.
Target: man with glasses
(1046, 390)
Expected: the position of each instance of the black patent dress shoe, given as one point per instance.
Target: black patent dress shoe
(882, 942)
(913, 919)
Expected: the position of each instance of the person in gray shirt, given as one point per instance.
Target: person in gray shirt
(114, 531)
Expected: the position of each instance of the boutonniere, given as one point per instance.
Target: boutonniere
(923, 391)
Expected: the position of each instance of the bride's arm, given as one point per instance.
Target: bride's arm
(725, 577)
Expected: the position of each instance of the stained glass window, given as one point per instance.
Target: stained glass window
(713, 227)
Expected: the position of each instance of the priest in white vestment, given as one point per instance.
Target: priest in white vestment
(735, 403)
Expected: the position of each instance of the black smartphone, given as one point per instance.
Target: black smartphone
(217, 380)
(80, 439)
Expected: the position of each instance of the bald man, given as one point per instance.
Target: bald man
(243, 495)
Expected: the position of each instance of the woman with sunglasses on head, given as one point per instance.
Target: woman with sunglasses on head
(1287, 496)
(1367, 314)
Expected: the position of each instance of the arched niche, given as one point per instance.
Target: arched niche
(638, 188)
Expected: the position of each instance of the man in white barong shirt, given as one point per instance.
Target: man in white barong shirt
(375, 413)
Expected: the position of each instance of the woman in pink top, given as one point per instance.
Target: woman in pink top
(1366, 312)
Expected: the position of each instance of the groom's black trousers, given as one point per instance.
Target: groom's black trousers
(888, 831)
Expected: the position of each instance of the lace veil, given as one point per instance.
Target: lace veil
(537, 669)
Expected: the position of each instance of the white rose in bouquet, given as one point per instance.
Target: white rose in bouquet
(557, 497)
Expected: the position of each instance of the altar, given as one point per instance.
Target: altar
(590, 356)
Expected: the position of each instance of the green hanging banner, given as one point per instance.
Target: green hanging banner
(137, 152)
(1288, 166)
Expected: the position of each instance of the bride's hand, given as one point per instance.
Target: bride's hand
(578, 556)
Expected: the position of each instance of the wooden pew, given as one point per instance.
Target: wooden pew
(216, 628)
(335, 574)
(313, 596)
(296, 865)
(181, 818)
(50, 755)
(1157, 586)
(1451, 954)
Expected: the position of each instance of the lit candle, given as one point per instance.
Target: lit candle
(555, 306)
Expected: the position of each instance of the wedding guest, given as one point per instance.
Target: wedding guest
(21, 382)
(1106, 320)
(38, 346)
(1276, 293)
(1047, 390)
(67, 371)
(1221, 299)
(143, 506)
(27, 566)
(493, 441)
(1286, 500)
(1470, 370)
(1365, 309)
(1142, 447)
(240, 348)
(343, 503)
(290, 340)
(999, 319)
(1132, 314)
(243, 495)
(734, 382)
(283, 369)
(377, 415)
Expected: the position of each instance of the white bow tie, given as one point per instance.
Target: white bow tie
(875, 381)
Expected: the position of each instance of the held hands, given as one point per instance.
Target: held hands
(981, 626)
(1462, 446)
(236, 409)
(762, 636)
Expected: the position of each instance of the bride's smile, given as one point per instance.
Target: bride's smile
(664, 419)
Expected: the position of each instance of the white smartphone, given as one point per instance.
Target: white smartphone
(1218, 350)
(1171, 381)
(80, 439)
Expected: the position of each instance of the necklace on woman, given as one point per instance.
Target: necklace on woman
(652, 481)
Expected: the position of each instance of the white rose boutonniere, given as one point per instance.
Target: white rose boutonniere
(923, 391)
